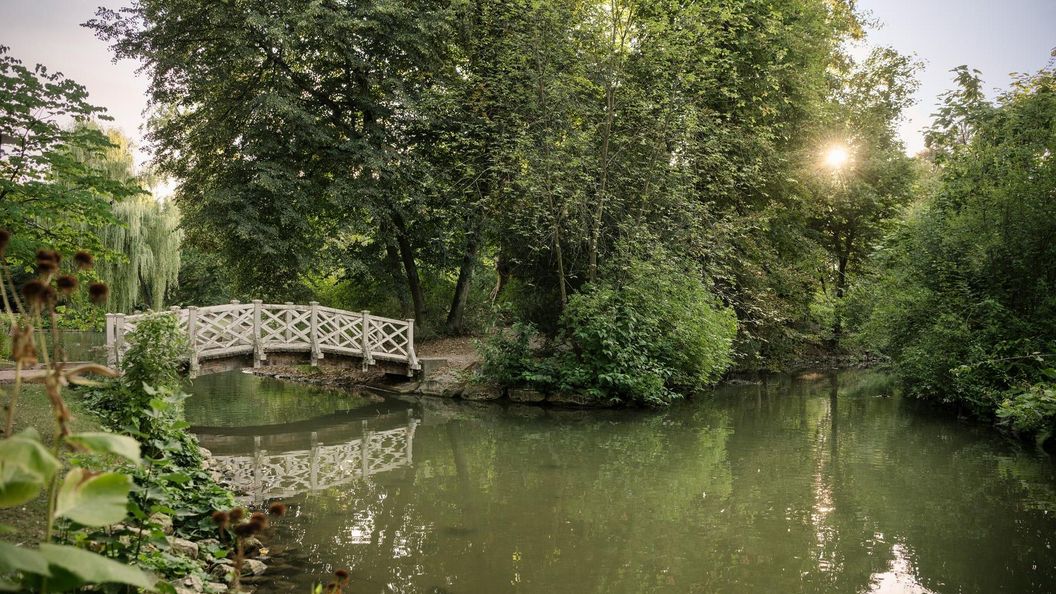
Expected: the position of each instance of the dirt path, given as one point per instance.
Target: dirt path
(459, 352)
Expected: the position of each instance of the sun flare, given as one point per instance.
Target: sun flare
(837, 157)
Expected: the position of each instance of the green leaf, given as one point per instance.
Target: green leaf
(107, 443)
(14, 558)
(93, 499)
(73, 567)
(176, 477)
(25, 467)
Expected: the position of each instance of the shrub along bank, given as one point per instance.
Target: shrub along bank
(647, 337)
(964, 301)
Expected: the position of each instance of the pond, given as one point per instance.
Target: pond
(832, 485)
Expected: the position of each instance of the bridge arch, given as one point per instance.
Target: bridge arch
(256, 334)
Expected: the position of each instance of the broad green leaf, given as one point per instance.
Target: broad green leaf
(176, 477)
(14, 558)
(73, 567)
(93, 499)
(107, 443)
(25, 467)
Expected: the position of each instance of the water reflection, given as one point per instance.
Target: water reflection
(267, 475)
(834, 485)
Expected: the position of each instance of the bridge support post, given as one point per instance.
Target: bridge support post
(258, 344)
(111, 346)
(119, 338)
(192, 340)
(365, 347)
(313, 335)
(412, 359)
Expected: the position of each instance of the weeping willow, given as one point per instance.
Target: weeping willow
(140, 260)
(145, 261)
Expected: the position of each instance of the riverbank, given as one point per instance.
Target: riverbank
(451, 370)
(191, 561)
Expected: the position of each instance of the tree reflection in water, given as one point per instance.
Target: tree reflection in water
(786, 486)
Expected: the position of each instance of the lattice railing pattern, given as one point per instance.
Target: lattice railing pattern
(239, 328)
(263, 476)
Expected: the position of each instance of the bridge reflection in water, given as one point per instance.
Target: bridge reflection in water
(263, 475)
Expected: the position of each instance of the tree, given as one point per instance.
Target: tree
(140, 256)
(48, 196)
(854, 204)
(283, 121)
(963, 300)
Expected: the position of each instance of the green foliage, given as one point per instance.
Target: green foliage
(85, 498)
(1033, 409)
(145, 242)
(963, 300)
(396, 152)
(48, 197)
(147, 403)
(507, 357)
(657, 334)
(646, 339)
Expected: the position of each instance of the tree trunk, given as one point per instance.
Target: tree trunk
(392, 264)
(456, 315)
(502, 273)
(410, 268)
(841, 286)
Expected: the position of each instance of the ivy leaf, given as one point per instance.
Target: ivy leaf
(107, 443)
(72, 567)
(93, 499)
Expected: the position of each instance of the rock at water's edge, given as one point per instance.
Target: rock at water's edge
(526, 395)
(479, 392)
(572, 399)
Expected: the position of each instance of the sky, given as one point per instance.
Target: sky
(998, 37)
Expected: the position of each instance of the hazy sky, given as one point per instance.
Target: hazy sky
(996, 36)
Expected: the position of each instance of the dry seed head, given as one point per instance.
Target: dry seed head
(277, 509)
(84, 260)
(46, 267)
(66, 284)
(247, 529)
(236, 514)
(98, 292)
(35, 293)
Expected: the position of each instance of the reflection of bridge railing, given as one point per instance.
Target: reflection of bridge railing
(239, 329)
(263, 475)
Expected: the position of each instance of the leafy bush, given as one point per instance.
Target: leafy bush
(649, 338)
(507, 357)
(146, 402)
(655, 334)
(158, 349)
(964, 300)
(1032, 410)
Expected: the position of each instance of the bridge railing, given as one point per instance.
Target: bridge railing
(258, 328)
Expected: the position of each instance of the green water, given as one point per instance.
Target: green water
(835, 485)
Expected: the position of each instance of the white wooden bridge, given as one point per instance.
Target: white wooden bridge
(262, 475)
(236, 335)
